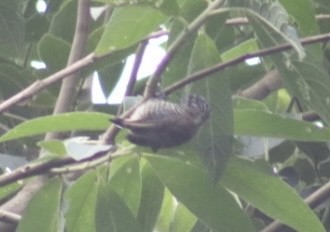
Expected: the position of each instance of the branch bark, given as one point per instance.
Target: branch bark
(204, 73)
(191, 28)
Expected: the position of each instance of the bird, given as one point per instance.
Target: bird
(158, 123)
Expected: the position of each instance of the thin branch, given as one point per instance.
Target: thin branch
(91, 163)
(9, 217)
(221, 66)
(82, 166)
(33, 169)
(42, 167)
(39, 85)
(110, 134)
(44, 83)
(136, 66)
(243, 20)
(270, 82)
(172, 50)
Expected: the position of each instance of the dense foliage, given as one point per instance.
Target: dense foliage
(261, 159)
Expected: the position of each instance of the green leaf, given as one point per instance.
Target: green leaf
(127, 183)
(64, 21)
(127, 26)
(36, 27)
(304, 15)
(82, 198)
(266, 124)
(43, 211)
(183, 220)
(269, 194)
(241, 103)
(9, 190)
(60, 122)
(167, 6)
(241, 49)
(12, 26)
(272, 17)
(165, 217)
(215, 138)
(12, 80)
(151, 198)
(112, 214)
(210, 202)
(54, 51)
(307, 80)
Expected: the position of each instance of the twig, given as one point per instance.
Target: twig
(42, 167)
(267, 84)
(221, 66)
(243, 20)
(64, 73)
(42, 84)
(9, 217)
(110, 134)
(191, 28)
(136, 66)
(90, 163)
(33, 169)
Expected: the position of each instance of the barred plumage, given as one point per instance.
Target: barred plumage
(159, 124)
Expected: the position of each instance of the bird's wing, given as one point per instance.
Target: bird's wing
(155, 116)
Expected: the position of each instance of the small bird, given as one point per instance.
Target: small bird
(157, 123)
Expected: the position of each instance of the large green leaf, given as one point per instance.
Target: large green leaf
(60, 122)
(54, 51)
(12, 80)
(112, 214)
(210, 202)
(64, 21)
(12, 26)
(127, 26)
(127, 183)
(151, 198)
(166, 215)
(307, 79)
(183, 219)
(270, 194)
(215, 139)
(9, 190)
(304, 15)
(43, 211)
(266, 124)
(274, 18)
(82, 198)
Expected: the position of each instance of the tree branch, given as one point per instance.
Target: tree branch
(204, 73)
(44, 83)
(9, 217)
(191, 28)
(109, 136)
(270, 82)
